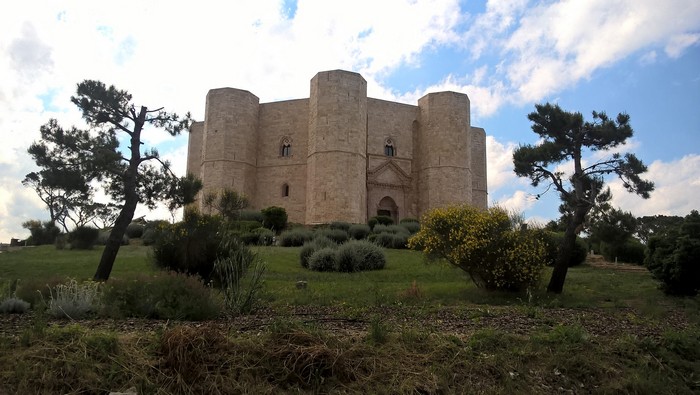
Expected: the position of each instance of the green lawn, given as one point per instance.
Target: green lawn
(437, 284)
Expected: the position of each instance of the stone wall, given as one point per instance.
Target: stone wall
(336, 168)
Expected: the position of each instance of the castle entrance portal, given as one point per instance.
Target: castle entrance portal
(388, 207)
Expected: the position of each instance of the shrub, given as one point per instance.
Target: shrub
(295, 237)
(104, 235)
(252, 215)
(190, 246)
(274, 218)
(149, 237)
(552, 242)
(83, 238)
(37, 291)
(390, 240)
(408, 220)
(674, 257)
(340, 225)
(372, 222)
(41, 232)
(339, 236)
(483, 244)
(243, 226)
(384, 220)
(359, 231)
(167, 295)
(323, 260)
(359, 255)
(379, 228)
(73, 300)
(259, 236)
(411, 227)
(240, 264)
(312, 246)
(135, 230)
(631, 251)
(14, 306)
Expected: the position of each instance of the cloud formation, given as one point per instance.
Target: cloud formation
(515, 52)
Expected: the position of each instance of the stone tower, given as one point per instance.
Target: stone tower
(337, 144)
(229, 141)
(444, 150)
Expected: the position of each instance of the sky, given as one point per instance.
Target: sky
(641, 57)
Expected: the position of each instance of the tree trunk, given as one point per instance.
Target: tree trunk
(561, 266)
(114, 242)
(131, 200)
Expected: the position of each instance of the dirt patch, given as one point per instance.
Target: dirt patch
(598, 261)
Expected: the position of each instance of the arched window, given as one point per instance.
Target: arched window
(286, 148)
(285, 190)
(389, 148)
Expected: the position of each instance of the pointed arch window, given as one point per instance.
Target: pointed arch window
(389, 149)
(286, 148)
(285, 190)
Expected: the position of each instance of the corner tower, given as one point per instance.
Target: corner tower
(444, 150)
(336, 188)
(230, 141)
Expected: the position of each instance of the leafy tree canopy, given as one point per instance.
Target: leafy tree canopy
(71, 159)
(565, 137)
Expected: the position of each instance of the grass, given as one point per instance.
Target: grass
(401, 345)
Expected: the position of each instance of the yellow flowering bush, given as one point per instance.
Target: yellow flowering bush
(483, 244)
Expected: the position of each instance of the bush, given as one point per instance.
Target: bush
(631, 251)
(340, 225)
(168, 295)
(42, 233)
(73, 300)
(339, 236)
(312, 246)
(408, 220)
(483, 244)
(259, 236)
(37, 291)
(135, 230)
(674, 257)
(357, 255)
(190, 246)
(252, 215)
(274, 218)
(231, 273)
(552, 242)
(359, 231)
(244, 226)
(104, 235)
(149, 237)
(411, 227)
(384, 220)
(14, 306)
(323, 260)
(295, 237)
(83, 238)
(390, 240)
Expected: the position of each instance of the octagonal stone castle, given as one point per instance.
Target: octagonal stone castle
(340, 155)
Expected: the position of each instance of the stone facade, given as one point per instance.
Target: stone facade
(339, 155)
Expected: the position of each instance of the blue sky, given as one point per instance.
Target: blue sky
(636, 56)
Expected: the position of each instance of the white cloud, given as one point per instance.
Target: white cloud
(680, 43)
(677, 189)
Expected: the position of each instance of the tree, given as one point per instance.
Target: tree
(227, 202)
(674, 257)
(565, 136)
(127, 175)
(656, 225)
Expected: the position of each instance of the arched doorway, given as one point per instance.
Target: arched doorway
(387, 206)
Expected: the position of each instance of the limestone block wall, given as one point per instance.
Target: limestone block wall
(230, 141)
(444, 176)
(478, 168)
(286, 121)
(336, 164)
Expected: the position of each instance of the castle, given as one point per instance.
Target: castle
(340, 155)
